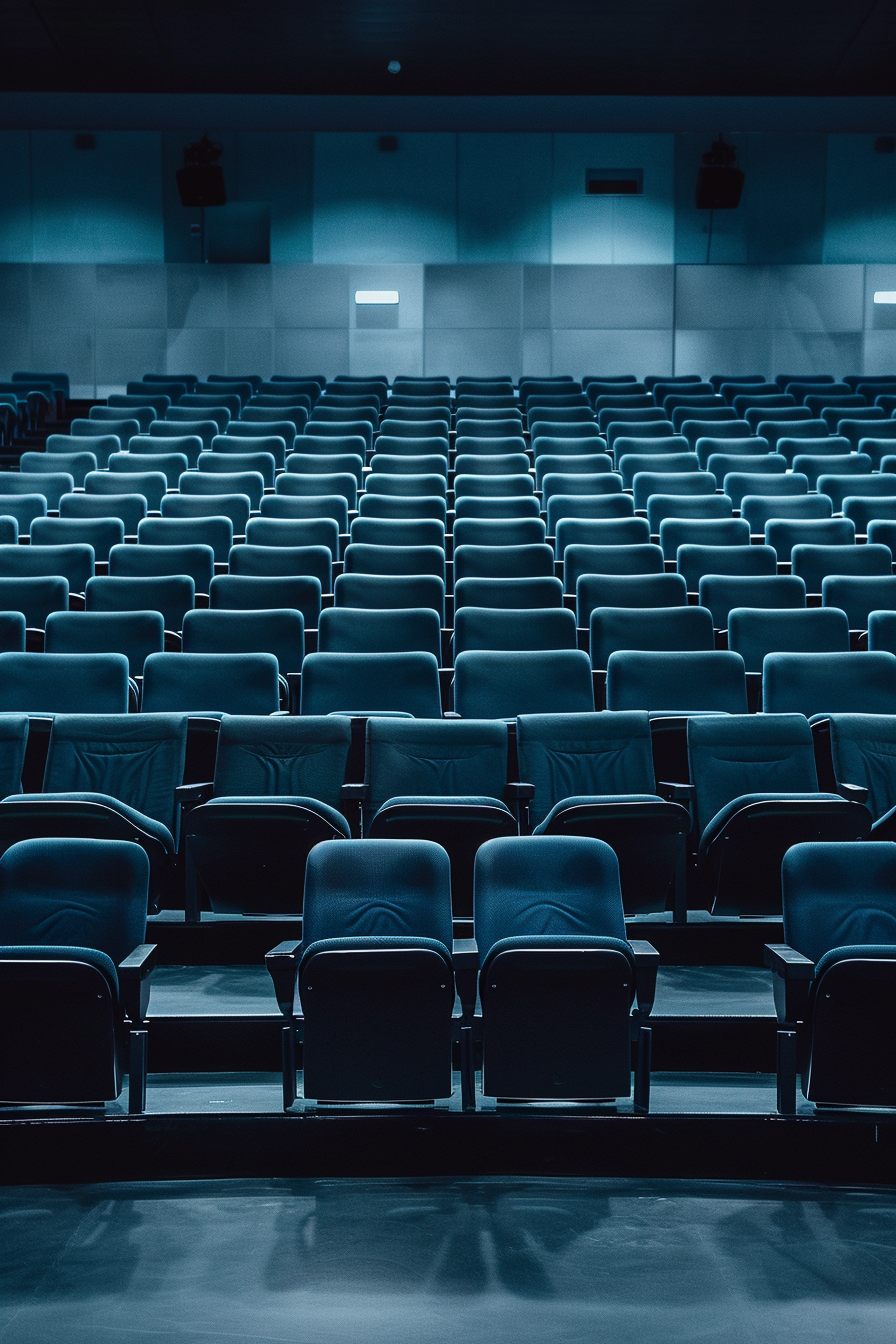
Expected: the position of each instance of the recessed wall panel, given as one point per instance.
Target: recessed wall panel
(612, 352)
(612, 296)
(309, 351)
(607, 229)
(473, 351)
(504, 197)
(473, 296)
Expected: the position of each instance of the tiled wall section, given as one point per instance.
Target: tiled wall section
(105, 324)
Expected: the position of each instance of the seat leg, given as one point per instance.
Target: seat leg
(642, 1070)
(680, 888)
(137, 1073)
(467, 1069)
(288, 1052)
(191, 887)
(786, 1065)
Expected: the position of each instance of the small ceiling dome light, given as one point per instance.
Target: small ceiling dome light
(394, 67)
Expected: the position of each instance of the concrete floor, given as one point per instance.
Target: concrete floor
(434, 1261)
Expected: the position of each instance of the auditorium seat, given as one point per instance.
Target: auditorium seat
(243, 592)
(835, 974)
(754, 794)
(558, 978)
(376, 951)
(829, 683)
(726, 446)
(152, 485)
(216, 532)
(136, 634)
(493, 531)
(100, 416)
(755, 631)
(24, 509)
(513, 628)
(738, 484)
(593, 775)
(694, 561)
(599, 532)
(441, 781)
(364, 558)
(74, 971)
(294, 532)
(248, 483)
(812, 563)
(859, 595)
(361, 684)
(727, 428)
(284, 430)
(52, 485)
(504, 684)
(784, 436)
(723, 465)
(688, 483)
(210, 684)
(149, 561)
(627, 590)
(783, 534)
(702, 532)
(391, 630)
(816, 467)
(43, 683)
(677, 683)
(383, 591)
(275, 795)
(720, 593)
(503, 506)
(73, 561)
(122, 430)
(304, 506)
(181, 428)
(100, 445)
(315, 562)
(759, 510)
(503, 562)
(171, 595)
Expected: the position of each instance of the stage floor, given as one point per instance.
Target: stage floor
(424, 1261)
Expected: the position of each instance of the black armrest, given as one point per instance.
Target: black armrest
(517, 792)
(282, 966)
(793, 975)
(647, 961)
(853, 793)
(676, 793)
(191, 795)
(792, 965)
(465, 959)
(354, 793)
(133, 979)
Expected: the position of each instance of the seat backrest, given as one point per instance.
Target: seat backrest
(282, 757)
(863, 751)
(284, 561)
(136, 634)
(675, 532)
(189, 446)
(247, 592)
(146, 561)
(435, 758)
(294, 532)
(386, 889)
(182, 427)
(758, 510)
(677, 682)
(627, 590)
(505, 562)
(305, 506)
(101, 534)
(172, 595)
(829, 683)
(599, 532)
(216, 532)
(732, 755)
(359, 683)
(647, 483)
(737, 484)
(380, 591)
(402, 630)
(858, 595)
(583, 755)
(195, 683)
(249, 483)
(13, 744)
(814, 562)
(494, 628)
(363, 558)
(693, 562)
(721, 592)
(94, 683)
(503, 684)
(839, 895)
(753, 632)
(75, 892)
(137, 759)
(516, 506)
(545, 885)
(636, 559)
(538, 592)
(280, 631)
(671, 628)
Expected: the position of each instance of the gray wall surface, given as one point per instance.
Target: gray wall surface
(107, 323)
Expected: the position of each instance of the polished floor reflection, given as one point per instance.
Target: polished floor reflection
(565, 1261)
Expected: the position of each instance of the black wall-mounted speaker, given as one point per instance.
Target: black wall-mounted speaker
(201, 184)
(719, 188)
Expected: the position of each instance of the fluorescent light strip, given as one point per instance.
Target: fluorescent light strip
(376, 296)
(885, 296)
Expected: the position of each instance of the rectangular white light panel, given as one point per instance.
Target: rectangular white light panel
(885, 296)
(376, 296)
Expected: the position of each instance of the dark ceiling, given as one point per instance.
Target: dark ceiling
(641, 47)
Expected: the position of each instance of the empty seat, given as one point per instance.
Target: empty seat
(362, 558)
(649, 483)
(677, 629)
(244, 592)
(136, 634)
(723, 465)
(503, 562)
(294, 532)
(306, 506)
(214, 532)
(171, 595)
(785, 533)
(677, 683)
(72, 561)
(101, 534)
(695, 561)
(52, 485)
(816, 466)
(378, 592)
(753, 632)
(280, 631)
(145, 561)
(859, 595)
(275, 795)
(44, 683)
(738, 484)
(599, 532)
(661, 507)
(232, 463)
(504, 684)
(492, 531)
(441, 781)
(392, 630)
(284, 562)
(627, 590)
(503, 506)
(719, 593)
(760, 509)
(361, 684)
(626, 559)
(784, 436)
(615, 505)
(513, 628)
(183, 429)
(655, 464)
(483, 486)
(73, 932)
(508, 593)
(725, 446)
(834, 974)
(702, 532)
(755, 793)
(249, 483)
(271, 430)
(813, 563)
(839, 488)
(152, 485)
(414, 506)
(24, 509)
(558, 979)
(829, 683)
(151, 446)
(210, 683)
(102, 434)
